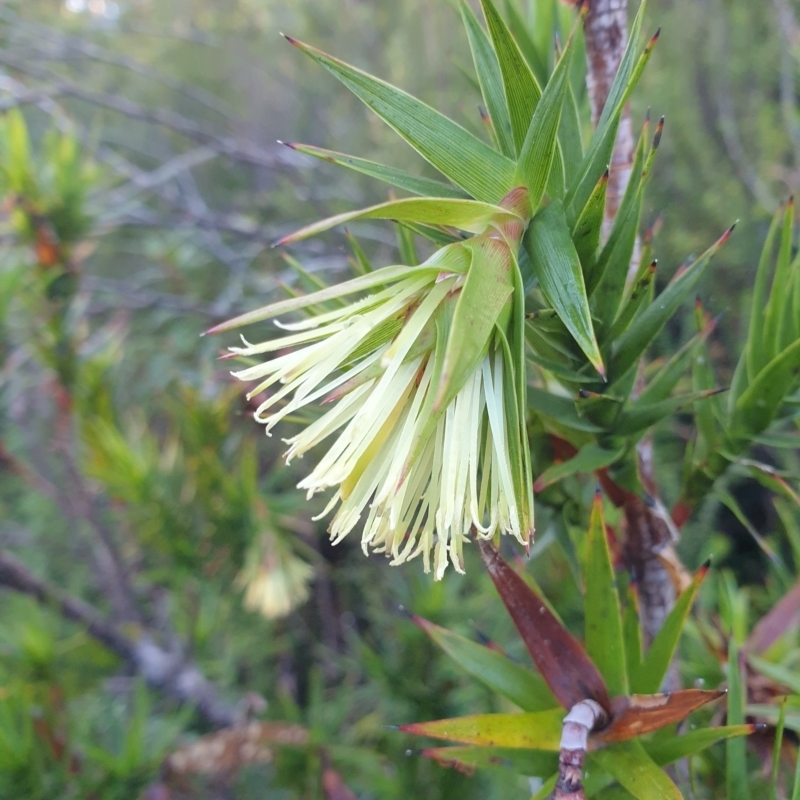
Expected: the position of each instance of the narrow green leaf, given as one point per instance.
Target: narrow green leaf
(560, 410)
(406, 245)
(557, 266)
(521, 686)
(669, 749)
(632, 631)
(759, 403)
(439, 236)
(467, 215)
(638, 298)
(598, 155)
(490, 79)
(736, 776)
(773, 313)
(665, 380)
(784, 676)
(608, 293)
(589, 458)
(515, 373)
(776, 752)
(586, 233)
(538, 149)
(361, 264)
(540, 730)
(535, 54)
(463, 158)
(796, 789)
(570, 137)
(426, 187)
(604, 641)
(521, 88)
(646, 326)
(650, 675)
(602, 409)
(629, 763)
(639, 416)
(451, 260)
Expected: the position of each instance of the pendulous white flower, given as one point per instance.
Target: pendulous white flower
(422, 385)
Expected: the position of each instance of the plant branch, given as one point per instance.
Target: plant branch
(164, 670)
(606, 34)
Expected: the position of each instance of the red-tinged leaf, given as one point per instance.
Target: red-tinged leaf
(644, 713)
(604, 640)
(498, 672)
(540, 730)
(558, 655)
(772, 626)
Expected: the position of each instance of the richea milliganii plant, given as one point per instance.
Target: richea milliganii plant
(536, 311)
(424, 371)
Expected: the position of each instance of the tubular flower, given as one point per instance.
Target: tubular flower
(422, 383)
(275, 580)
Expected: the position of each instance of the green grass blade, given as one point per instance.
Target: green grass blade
(426, 187)
(555, 262)
(490, 80)
(521, 87)
(736, 776)
(776, 752)
(604, 640)
(463, 158)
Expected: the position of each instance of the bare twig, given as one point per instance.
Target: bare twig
(164, 670)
